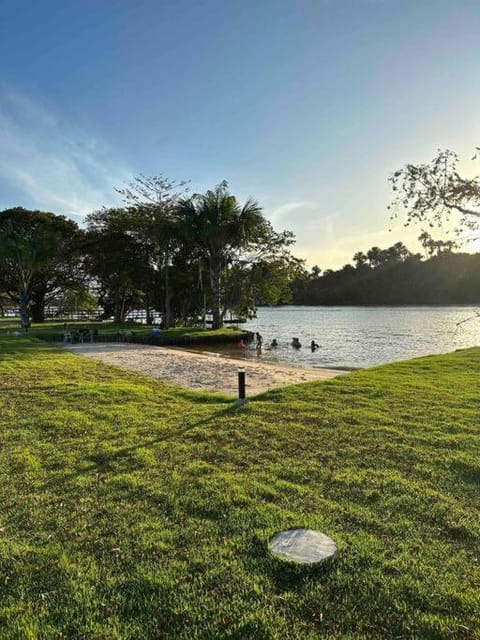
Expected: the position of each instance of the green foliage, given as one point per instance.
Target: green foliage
(52, 330)
(262, 283)
(164, 244)
(151, 217)
(233, 240)
(395, 276)
(133, 509)
(77, 300)
(118, 262)
(38, 258)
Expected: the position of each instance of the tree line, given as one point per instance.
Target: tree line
(165, 250)
(185, 255)
(432, 194)
(395, 276)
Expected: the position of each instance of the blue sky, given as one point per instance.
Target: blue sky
(306, 105)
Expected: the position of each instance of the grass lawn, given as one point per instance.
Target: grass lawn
(55, 329)
(132, 509)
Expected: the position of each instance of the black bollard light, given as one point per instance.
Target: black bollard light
(242, 396)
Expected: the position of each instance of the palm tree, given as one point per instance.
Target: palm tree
(425, 240)
(374, 256)
(220, 227)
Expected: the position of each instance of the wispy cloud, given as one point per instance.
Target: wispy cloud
(54, 163)
(323, 236)
(312, 226)
(288, 211)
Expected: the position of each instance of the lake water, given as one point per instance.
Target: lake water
(360, 336)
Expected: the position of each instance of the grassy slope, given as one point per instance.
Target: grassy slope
(131, 509)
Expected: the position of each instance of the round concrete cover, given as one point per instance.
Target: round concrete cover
(303, 546)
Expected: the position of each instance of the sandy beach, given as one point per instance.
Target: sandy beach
(201, 371)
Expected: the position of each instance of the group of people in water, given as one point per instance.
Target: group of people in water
(296, 344)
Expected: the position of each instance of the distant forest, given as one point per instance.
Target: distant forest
(395, 276)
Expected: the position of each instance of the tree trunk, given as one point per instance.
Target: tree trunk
(38, 307)
(167, 320)
(216, 282)
(116, 313)
(119, 315)
(38, 313)
(24, 304)
(148, 311)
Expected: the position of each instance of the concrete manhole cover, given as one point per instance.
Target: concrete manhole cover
(303, 546)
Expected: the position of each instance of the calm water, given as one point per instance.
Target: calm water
(361, 336)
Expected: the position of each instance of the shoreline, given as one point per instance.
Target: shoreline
(240, 356)
(199, 370)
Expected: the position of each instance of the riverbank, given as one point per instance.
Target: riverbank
(54, 331)
(201, 371)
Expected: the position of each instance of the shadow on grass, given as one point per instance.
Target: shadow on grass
(197, 396)
(469, 472)
(287, 576)
(105, 462)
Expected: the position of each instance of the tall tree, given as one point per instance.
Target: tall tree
(263, 282)
(38, 258)
(425, 240)
(119, 262)
(226, 232)
(360, 260)
(152, 212)
(374, 256)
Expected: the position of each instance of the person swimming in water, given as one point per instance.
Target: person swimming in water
(296, 343)
(314, 346)
(274, 343)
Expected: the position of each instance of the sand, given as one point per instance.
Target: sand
(201, 371)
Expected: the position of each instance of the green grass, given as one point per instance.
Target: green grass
(53, 329)
(132, 509)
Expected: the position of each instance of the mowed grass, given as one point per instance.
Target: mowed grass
(133, 509)
(54, 329)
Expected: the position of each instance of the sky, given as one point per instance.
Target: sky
(306, 105)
